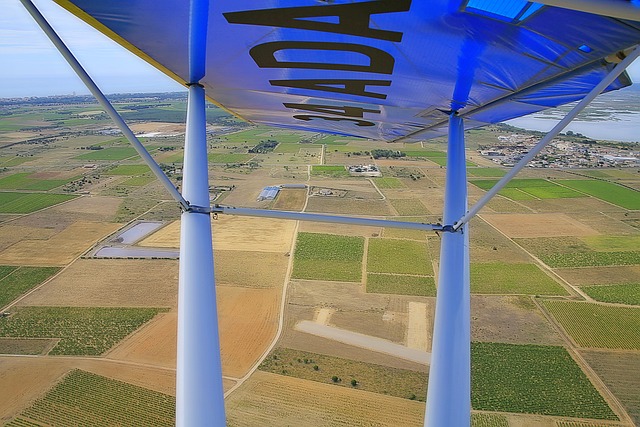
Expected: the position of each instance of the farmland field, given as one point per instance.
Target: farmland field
(540, 188)
(369, 377)
(112, 153)
(593, 325)
(621, 294)
(22, 203)
(82, 331)
(400, 285)
(592, 259)
(488, 420)
(390, 182)
(607, 191)
(280, 401)
(503, 278)
(328, 257)
(409, 207)
(620, 371)
(290, 199)
(229, 158)
(532, 379)
(19, 280)
(398, 256)
(26, 181)
(83, 398)
(486, 172)
(128, 170)
(332, 171)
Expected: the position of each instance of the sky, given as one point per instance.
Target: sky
(31, 66)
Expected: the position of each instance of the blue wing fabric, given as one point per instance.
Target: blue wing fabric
(384, 70)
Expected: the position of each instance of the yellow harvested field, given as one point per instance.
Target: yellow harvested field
(291, 199)
(419, 327)
(277, 400)
(154, 344)
(111, 283)
(103, 207)
(10, 234)
(538, 225)
(59, 249)
(234, 233)
(268, 269)
(248, 320)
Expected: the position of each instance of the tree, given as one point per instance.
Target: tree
(354, 382)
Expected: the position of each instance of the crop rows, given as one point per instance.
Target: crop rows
(591, 259)
(399, 257)
(532, 379)
(83, 399)
(409, 207)
(488, 420)
(15, 281)
(613, 193)
(538, 188)
(81, 330)
(595, 325)
(328, 257)
(20, 203)
(622, 294)
(22, 181)
(503, 278)
(396, 284)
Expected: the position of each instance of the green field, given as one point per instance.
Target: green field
(21, 203)
(608, 243)
(86, 399)
(369, 377)
(607, 191)
(15, 281)
(139, 181)
(622, 294)
(503, 278)
(488, 420)
(600, 326)
(129, 170)
(335, 171)
(532, 379)
(378, 283)
(23, 181)
(486, 172)
(591, 259)
(81, 330)
(287, 148)
(399, 257)
(409, 207)
(328, 257)
(385, 182)
(537, 188)
(112, 153)
(229, 158)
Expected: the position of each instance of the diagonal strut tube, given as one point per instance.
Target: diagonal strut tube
(104, 102)
(606, 81)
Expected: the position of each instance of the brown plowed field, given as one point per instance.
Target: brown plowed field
(11, 234)
(234, 233)
(291, 199)
(111, 283)
(276, 400)
(59, 249)
(98, 208)
(600, 275)
(248, 320)
(538, 225)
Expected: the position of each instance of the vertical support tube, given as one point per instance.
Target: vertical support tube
(199, 393)
(449, 392)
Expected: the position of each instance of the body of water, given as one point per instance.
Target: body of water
(622, 126)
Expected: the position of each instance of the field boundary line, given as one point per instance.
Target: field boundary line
(573, 290)
(283, 303)
(596, 381)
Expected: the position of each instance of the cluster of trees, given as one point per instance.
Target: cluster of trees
(390, 154)
(264, 146)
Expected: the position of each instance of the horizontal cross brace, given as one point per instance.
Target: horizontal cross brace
(336, 219)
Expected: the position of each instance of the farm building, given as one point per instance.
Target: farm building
(269, 193)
